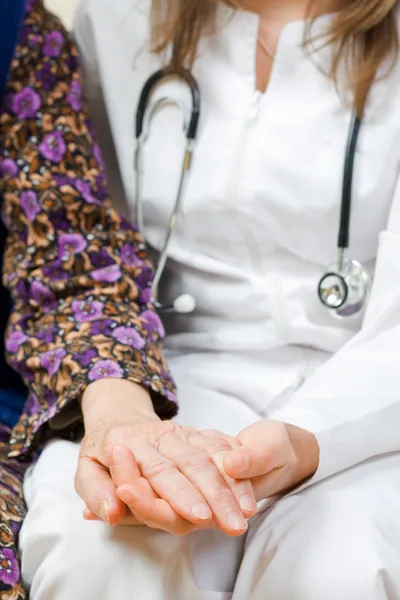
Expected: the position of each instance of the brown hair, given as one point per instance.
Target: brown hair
(363, 36)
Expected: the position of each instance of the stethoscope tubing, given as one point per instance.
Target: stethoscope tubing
(343, 240)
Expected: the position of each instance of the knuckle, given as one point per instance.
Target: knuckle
(196, 461)
(157, 468)
(216, 441)
(218, 446)
(222, 495)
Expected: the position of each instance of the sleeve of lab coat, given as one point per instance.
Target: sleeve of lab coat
(352, 403)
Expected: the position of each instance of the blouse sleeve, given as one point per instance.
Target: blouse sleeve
(12, 513)
(78, 273)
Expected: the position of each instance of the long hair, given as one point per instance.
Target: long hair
(363, 36)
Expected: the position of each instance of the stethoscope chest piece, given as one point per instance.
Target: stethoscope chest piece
(345, 292)
(344, 289)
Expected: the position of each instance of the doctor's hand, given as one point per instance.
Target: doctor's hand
(275, 456)
(135, 469)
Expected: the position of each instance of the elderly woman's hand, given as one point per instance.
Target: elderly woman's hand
(169, 477)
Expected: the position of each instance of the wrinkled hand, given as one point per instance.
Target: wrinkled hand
(275, 456)
(170, 477)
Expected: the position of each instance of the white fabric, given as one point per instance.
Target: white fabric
(63, 8)
(259, 221)
(331, 541)
(257, 229)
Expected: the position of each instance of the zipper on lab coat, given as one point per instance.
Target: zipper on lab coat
(236, 173)
(236, 177)
(251, 118)
(255, 107)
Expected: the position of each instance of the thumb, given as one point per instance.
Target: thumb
(259, 453)
(248, 462)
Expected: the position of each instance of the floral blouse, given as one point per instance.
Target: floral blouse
(78, 273)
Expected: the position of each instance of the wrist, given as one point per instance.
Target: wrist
(306, 451)
(108, 399)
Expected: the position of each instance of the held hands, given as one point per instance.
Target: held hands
(136, 469)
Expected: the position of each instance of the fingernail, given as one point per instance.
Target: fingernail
(103, 511)
(247, 503)
(201, 511)
(236, 521)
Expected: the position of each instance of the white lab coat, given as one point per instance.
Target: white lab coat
(257, 229)
(260, 220)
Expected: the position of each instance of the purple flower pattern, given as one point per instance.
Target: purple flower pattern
(15, 340)
(153, 324)
(47, 335)
(129, 256)
(70, 243)
(9, 569)
(53, 147)
(51, 360)
(105, 368)
(54, 42)
(84, 188)
(55, 271)
(86, 357)
(103, 327)
(8, 168)
(101, 259)
(129, 336)
(87, 310)
(109, 274)
(75, 95)
(45, 77)
(78, 301)
(30, 204)
(41, 294)
(26, 103)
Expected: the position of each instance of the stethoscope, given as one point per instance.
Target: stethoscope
(343, 289)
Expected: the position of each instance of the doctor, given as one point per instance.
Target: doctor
(313, 400)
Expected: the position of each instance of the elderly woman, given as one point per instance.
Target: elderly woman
(78, 274)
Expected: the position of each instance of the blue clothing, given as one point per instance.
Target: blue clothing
(12, 390)
(12, 14)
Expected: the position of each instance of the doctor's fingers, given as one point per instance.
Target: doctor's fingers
(217, 445)
(265, 446)
(196, 464)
